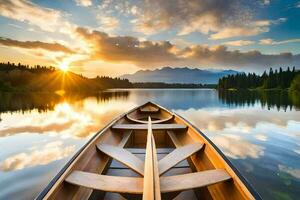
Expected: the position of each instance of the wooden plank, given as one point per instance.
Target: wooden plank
(193, 180)
(129, 173)
(148, 108)
(125, 138)
(136, 185)
(151, 188)
(143, 151)
(106, 183)
(145, 126)
(117, 165)
(123, 156)
(174, 139)
(177, 156)
(153, 122)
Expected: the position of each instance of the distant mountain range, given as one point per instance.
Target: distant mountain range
(178, 75)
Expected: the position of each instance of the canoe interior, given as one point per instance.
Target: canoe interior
(194, 154)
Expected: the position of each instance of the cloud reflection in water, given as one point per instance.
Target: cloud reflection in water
(50, 152)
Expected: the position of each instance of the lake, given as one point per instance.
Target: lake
(258, 131)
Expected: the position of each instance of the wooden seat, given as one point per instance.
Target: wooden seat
(178, 155)
(123, 156)
(145, 127)
(134, 185)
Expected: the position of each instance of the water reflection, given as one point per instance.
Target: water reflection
(258, 132)
(37, 156)
(281, 99)
(42, 102)
(262, 143)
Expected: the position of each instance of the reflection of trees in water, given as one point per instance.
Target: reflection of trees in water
(11, 102)
(270, 99)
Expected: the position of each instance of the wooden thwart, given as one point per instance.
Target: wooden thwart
(123, 156)
(106, 183)
(153, 122)
(133, 185)
(154, 126)
(177, 156)
(193, 180)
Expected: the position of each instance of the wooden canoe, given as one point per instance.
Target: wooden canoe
(149, 153)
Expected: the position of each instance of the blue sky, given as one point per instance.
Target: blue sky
(110, 37)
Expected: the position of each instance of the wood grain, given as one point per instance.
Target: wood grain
(178, 155)
(145, 126)
(123, 156)
(193, 180)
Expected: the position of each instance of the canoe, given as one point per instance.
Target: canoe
(149, 153)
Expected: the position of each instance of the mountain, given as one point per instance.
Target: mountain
(178, 75)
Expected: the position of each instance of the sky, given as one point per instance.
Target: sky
(115, 37)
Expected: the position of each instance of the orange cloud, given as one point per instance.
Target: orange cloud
(35, 45)
(152, 54)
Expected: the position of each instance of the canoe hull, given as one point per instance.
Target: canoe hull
(89, 159)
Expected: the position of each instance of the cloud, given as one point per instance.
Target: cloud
(50, 152)
(266, 2)
(219, 19)
(212, 121)
(150, 54)
(238, 148)
(107, 23)
(229, 32)
(56, 127)
(35, 45)
(84, 3)
(269, 41)
(261, 137)
(289, 170)
(221, 56)
(298, 4)
(239, 43)
(45, 18)
(125, 48)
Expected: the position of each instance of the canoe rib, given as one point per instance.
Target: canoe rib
(123, 156)
(145, 127)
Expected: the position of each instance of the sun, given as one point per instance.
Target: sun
(64, 66)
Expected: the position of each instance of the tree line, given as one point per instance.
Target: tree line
(280, 79)
(18, 77)
(6, 67)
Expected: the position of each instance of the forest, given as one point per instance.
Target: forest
(25, 78)
(278, 79)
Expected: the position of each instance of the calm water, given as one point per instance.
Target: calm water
(259, 132)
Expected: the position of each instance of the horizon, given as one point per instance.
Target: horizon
(113, 38)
